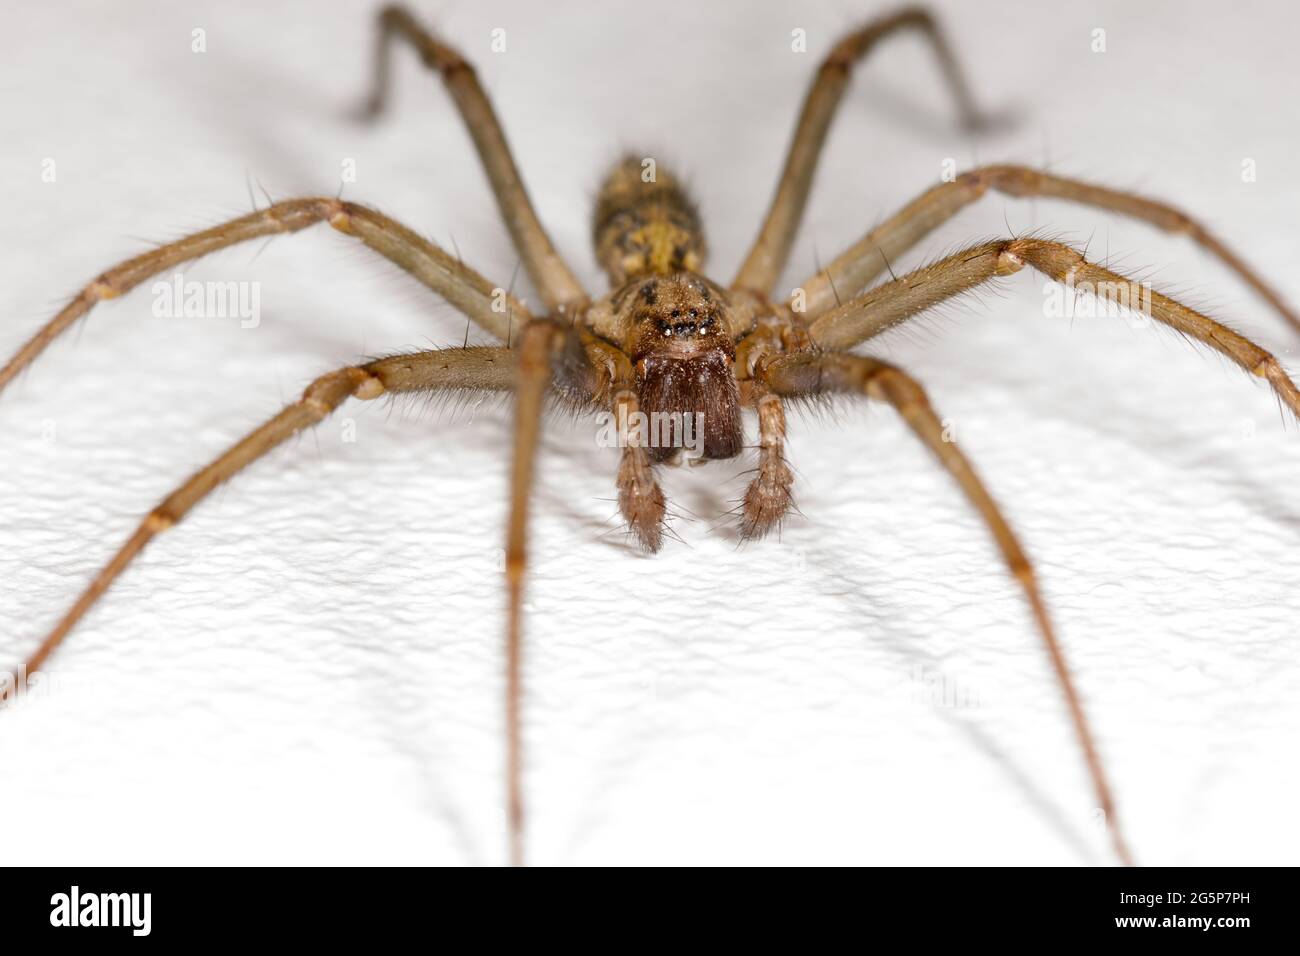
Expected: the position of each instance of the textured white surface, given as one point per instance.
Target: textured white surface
(307, 670)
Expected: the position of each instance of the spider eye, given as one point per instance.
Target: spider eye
(677, 313)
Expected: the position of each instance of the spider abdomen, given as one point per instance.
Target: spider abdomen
(645, 223)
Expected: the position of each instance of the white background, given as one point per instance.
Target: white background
(307, 669)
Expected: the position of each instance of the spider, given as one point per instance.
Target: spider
(668, 346)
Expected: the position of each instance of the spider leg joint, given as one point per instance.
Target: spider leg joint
(159, 520)
(102, 289)
(1009, 261)
(335, 212)
(369, 389)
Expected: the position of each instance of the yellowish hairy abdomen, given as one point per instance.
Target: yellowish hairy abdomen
(645, 223)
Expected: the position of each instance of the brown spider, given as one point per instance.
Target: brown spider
(672, 357)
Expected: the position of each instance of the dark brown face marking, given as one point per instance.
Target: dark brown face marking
(648, 293)
(699, 389)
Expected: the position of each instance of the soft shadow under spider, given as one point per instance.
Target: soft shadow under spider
(417, 756)
(710, 499)
(1176, 452)
(876, 607)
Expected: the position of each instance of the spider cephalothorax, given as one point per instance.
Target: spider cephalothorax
(681, 345)
(668, 342)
